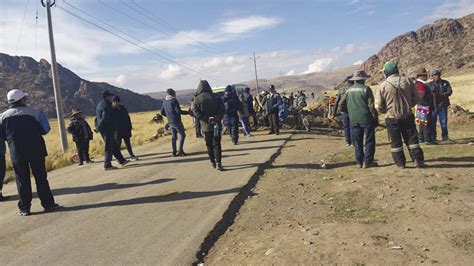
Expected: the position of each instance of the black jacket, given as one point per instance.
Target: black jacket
(207, 104)
(122, 121)
(23, 127)
(442, 91)
(104, 121)
(233, 105)
(80, 130)
(172, 110)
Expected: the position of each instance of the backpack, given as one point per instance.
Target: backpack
(283, 111)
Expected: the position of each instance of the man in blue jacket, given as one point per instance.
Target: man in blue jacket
(107, 126)
(173, 112)
(23, 127)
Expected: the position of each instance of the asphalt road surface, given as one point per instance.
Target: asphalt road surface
(154, 211)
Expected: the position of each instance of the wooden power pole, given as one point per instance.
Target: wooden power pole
(54, 71)
(255, 65)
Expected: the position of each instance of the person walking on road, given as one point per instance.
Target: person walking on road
(346, 124)
(124, 127)
(3, 168)
(81, 135)
(425, 108)
(395, 97)
(271, 104)
(23, 127)
(210, 109)
(106, 124)
(233, 107)
(442, 91)
(172, 110)
(358, 103)
(246, 112)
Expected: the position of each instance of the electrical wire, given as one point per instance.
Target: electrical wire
(21, 27)
(36, 27)
(137, 44)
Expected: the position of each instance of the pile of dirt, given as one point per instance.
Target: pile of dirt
(460, 116)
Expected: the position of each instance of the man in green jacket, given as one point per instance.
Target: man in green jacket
(358, 103)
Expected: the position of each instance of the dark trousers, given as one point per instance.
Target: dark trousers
(404, 130)
(3, 170)
(363, 152)
(197, 127)
(274, 123)
(83, 150)
(347, 128)
(111, 148)
(23, 183)
(255, 120)
(425, 132)
(175, 131)
(233, 128)
(214, 149)
(128, 145)
(442, 114)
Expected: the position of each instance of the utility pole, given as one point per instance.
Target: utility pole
(255, 65)
(54, 72)
(281, 74)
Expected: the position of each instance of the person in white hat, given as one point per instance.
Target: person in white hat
(23, 127)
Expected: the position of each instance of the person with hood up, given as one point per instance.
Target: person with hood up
(247, 111)
(172, 110)
(23, 127)
(106, 124)
(210, 109)
(271, 105)
(442, 91)
(81, 135)
(396, 97)
(124, 127)
(424, 108)
(233, 107)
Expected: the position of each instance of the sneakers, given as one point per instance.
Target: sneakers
(219, 167)
(53, 208)
(420, 164)
(369, 165)
(24, 213)
(108, 168)
(122, 164)
(213, 165)
(359, 166)
(182, 154)
(348, 145)
(81, 163)
(89, 161)
(133, 158)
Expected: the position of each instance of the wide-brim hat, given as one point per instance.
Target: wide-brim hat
(421, 71)
(359, 75)
(75, 111)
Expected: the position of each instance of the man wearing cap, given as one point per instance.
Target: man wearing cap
(424, 108)
(172, 110)
(105, 124)
(81, 135)
(23, 127)
(358, 103)
(442, 91)
(344, 117)
(395, 98)
(271, 104)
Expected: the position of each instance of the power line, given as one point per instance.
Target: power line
(21, 27)
(137, 44)
(36, 27)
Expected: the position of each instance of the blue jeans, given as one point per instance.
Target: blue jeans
(442, 114)
(175, 131)
(244, 120)
(363, 153)
(347, 128)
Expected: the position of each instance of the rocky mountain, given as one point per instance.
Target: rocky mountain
(447, 44)
(35, 78)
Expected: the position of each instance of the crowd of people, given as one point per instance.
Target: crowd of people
(396, 97)
(23, 126)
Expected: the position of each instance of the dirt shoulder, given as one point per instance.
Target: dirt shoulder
(302, 214)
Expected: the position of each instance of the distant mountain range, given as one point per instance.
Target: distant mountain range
(447, 44)
(35, 78)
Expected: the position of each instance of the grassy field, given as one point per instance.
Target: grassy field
(463, 87)
(143, 130)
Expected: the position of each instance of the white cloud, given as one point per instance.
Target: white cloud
(171, 72)
(319, 65)
(121, 80)
(291, 72)
(252, 23)
(358, 62)
(451, 9)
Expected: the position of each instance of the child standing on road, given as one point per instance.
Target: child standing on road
(81, 135)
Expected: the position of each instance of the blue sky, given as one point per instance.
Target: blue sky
(212, 39)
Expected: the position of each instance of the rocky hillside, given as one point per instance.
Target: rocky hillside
(447, 44)
(35, 78)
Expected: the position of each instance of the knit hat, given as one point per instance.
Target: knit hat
(436, 72)
(116, 98)
(390, 68)
(272, 87)
(421, 72)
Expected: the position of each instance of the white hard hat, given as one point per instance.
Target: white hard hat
(14, 96)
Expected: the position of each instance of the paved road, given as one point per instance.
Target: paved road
(155, 211)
